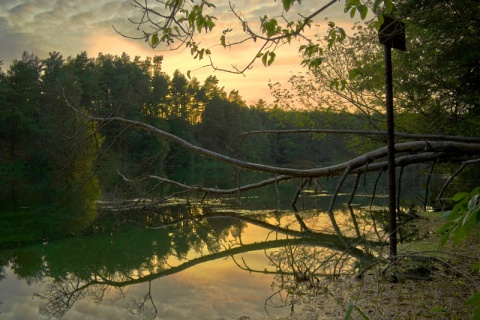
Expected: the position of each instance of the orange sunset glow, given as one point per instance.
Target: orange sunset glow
(89, 26)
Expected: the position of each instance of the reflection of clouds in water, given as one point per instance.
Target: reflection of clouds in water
(209, 290)
(16, 298)
(212, 290)
(87, 309)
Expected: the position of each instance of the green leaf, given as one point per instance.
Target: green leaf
(347, 7)
(332, 38)
(222, 41)
(363, 11)
(476, 266)
(287, 4)
(271, 59)
(444, 228)
(154, 40)
(364, 316)
(389, 6)
(210, 5)
(188, 74)
(334, 84)
(309, 23)
(264, 58)
(351, 307)
(447, 215)
(271, 27)
(348, 315)
(472, 203)
(444, 239)
(459, 233)
(353, 73)
(352, 12)
(315, 63)
(343, 34)
(267, 58)
(474, 299)
(379, 21)
(459, 196)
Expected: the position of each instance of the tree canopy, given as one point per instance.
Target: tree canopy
(203, 27)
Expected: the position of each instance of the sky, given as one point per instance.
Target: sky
(73, 26)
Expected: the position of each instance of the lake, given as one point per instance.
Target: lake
(177, 260)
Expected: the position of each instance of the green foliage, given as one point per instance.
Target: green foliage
(267, 58)
(355, 5)
(180, 23)
(199, 21)
(389, 6)
(442, 62)
(287, 4)
(312, 55)
(154, 40)
(270, 27)
(463, 218)
(461, 221)
(475, 301)
(335, 34)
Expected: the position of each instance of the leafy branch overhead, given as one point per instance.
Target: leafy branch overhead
(203, 26)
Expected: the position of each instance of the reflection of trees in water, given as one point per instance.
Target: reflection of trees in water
(299, 270)
(144, 305)
(302, 270)
(60, 295)
(177, 240)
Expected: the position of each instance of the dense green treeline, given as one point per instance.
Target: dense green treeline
(47, 149)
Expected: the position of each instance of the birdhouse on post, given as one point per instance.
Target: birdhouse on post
(392, 34)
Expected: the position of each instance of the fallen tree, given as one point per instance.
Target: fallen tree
(430, 149)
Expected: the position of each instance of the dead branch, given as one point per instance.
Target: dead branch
(408, 153)
(443, 149)
(404, 135)
(298, 192)
(456, 173)
(374, 189)
(354, 189)
(450, 147)
(399, 188)
(428, 185)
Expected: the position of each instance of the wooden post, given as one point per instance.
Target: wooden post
(391, 35)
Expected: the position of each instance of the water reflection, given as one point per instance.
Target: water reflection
(131, 249)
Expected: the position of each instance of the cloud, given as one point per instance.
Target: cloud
(61, 25)
(73, 26)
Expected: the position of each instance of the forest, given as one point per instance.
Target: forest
(81, 132)
(49, 148)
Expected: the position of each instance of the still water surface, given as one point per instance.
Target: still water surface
(179, 262)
